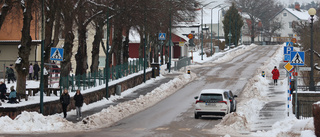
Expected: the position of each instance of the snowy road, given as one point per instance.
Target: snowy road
(174, 115)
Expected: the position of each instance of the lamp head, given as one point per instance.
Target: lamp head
(312, 11)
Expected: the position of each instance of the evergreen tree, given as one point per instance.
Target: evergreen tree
(232, 23)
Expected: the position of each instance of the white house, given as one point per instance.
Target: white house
(287, 16)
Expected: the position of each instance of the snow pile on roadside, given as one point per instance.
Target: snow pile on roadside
(253, 100)
(33, 121)
(113, 114)
(234, 53)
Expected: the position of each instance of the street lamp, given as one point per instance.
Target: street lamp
(201, 35)
(229, 35)
(311, 12)
(211, 25)
(218, 24)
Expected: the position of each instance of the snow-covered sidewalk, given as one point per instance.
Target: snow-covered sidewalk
(235, 124)
(254, 97)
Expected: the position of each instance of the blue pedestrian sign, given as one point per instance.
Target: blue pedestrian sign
(162, 36)
(297, 58)
(56, 54)
(289, 43)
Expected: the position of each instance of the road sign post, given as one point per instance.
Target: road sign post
(56, 54)
(162, 36)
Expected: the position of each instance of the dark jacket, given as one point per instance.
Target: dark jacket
(3, 88)
(36, 68)
(65, 99)
(78, 99)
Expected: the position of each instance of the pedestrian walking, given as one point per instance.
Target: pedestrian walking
(65, 101)
(30, 71)
(3, 90)
(36, 70)
(275, 75)
(78, 103)
(10, 74)
(13, 95)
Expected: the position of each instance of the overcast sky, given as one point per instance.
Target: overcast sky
(300, 1)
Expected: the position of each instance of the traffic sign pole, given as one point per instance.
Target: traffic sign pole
(296, 98)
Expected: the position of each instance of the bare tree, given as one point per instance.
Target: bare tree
(22, 64)
(302, 29)
(6, 6)
(257, 10)
(52, 12)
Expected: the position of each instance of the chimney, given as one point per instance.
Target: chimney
(297, 6)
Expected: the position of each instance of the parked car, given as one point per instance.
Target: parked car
(215, 102)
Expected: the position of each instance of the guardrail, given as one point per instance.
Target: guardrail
(182, 62)
(91, 80)
(306, 88)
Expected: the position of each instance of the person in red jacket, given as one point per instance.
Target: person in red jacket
(275, 75)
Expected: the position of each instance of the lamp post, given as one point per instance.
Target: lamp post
(201, 35)
(229, 36)
(42, 56)
(211, 25)
(218, 24)
(311, 12)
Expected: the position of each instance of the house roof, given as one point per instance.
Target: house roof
(300, 15)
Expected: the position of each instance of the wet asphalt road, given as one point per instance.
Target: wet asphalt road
(174, 117)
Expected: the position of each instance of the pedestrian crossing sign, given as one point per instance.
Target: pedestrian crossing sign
(56, 54)
(289, 43)
(162, 36)
(297, 58)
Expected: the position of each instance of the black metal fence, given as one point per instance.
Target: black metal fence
(305, 109)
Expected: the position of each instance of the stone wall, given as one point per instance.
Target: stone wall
(54, 107)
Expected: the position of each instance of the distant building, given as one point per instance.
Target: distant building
(287, 16)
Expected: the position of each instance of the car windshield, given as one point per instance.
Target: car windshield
(211, 97)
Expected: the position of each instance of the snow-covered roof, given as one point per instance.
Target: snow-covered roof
(134, 36)
(301, 15)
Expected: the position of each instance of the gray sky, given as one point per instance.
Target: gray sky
(293, 1)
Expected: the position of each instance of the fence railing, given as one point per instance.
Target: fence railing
(306, 88)
(89, 80)
(305, 109)
(183, 62)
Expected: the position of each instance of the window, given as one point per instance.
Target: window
(290, 35)
(211, 97)
(290, 24)
(102, 61)
(284, 14)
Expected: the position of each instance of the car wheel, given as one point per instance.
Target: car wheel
(196, 116)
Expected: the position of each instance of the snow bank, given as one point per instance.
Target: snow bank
(115, 113)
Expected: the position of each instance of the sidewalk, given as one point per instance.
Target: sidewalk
(135, 94)
(276, 109)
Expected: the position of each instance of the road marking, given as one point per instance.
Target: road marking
(184, 129)
(139, 129)
(206, 130)
(162, 128)
(116, 129)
